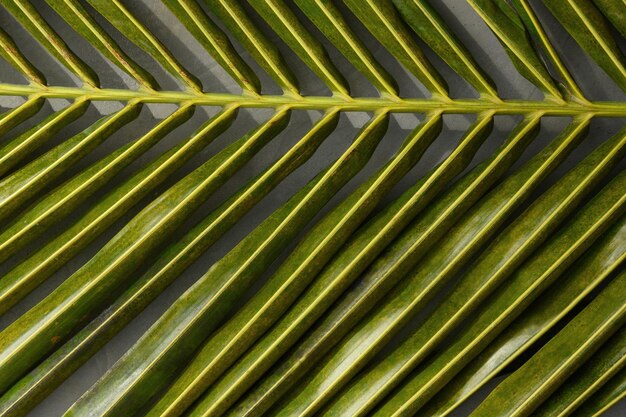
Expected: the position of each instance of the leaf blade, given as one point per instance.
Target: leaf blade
(587, 26)
(10, 52)
(128, 24)
(18, 148)
(28, 16)
(433, 30)
(32, 335)
(204, 305)
(300, 268)
(78, 17)
(265, 52)
(215, 42)
(61, 201)
(175, 259)
(24, 183)
(329, 20)
(507, 26)
(545, 371)
(382, 20)
(598, 370)
(511, 299)
(527, 231)
(285, 23)
(597, 266)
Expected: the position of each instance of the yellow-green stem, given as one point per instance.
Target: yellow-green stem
(407, 105)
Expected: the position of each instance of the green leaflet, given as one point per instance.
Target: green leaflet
(27, 392)
(614, 11)
(25, 183)
(542, 374)
(171, 341)
(319, 386)
(310, 50)
(360, 250)
(498, 261)
(597, 371)
(433, 30)
(10, 52)
(77, 16)
(302, 266)
(511, 299)
(589, 28)
(609, 395)
(508, 27)
(124, 21)
(88, 290)
(397, 261)
(28, 16)
(62, 200)
(361, 273)
(264, 52)
(215, 42)
(596, 266)
(47, 260)
(328, 19)
(12, 118)
(18, 148)
(534, 27)
(382, 20)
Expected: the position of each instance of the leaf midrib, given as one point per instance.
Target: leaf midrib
(405, 105)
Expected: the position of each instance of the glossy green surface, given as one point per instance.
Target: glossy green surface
(382, 20)
(586, 24)
(175, 259)
(28, 16)
(26, 182)
(302, 266)
(614, 11)
(179, 332)
(215, 41)
(16, 149)
(607, 397)
(62, 200)
(60, 250)
(87, 291)
(328, 19)
(491, 259)
(266, 54)
(75, 14)
(608, 361)
(308, 48)
(425, 21)
(511, 298)
(12, 118)
(10, 52)
(398, 260)
(498, 261)
(595, 267)
(345, 267)
(542, 374)
(508, 27)
(123, 20)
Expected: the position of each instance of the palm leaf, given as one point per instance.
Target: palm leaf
(293, 319)
(576, 338)
(589, 272)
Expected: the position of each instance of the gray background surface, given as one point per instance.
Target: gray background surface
(459, 15)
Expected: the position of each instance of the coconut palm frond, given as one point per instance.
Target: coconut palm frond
(312, 312)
